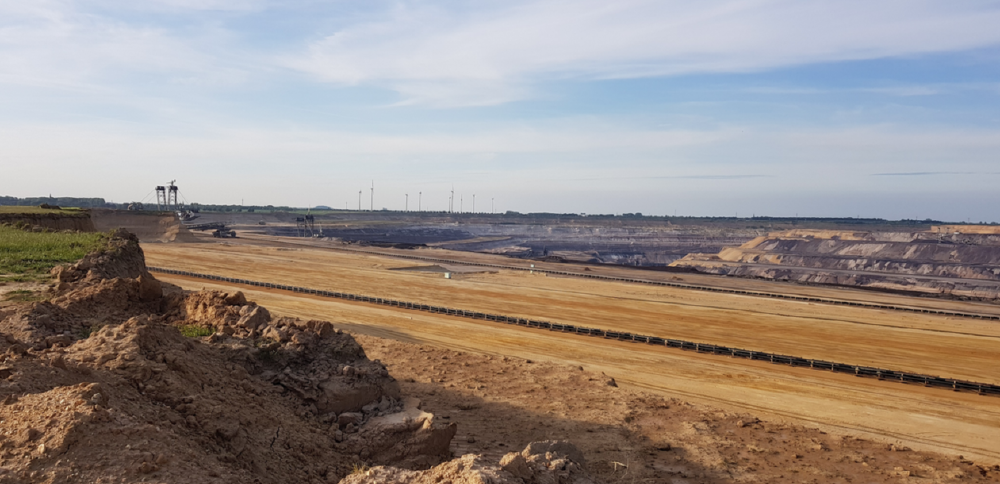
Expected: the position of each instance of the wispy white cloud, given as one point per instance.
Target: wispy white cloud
(485, 53)
(936, 173)
(516, 43)
(65, 45)
(904, 91)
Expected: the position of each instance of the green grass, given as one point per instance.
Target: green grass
(67, 211)
(29, 256)
(192, 331)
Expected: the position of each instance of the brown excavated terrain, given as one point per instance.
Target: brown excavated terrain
(147, 226)
(108, 380)
(917, 417)
(97, 384)
(501, 404)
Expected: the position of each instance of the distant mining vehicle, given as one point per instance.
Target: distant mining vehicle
(219, 229)
(186, 216)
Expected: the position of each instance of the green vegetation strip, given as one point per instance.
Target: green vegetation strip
(63, 212)
(29, 256)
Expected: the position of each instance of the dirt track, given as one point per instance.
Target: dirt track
(922, 418)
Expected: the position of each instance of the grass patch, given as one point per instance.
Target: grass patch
(359, 468)
(69, 211)
(192, 331)
(29, 256)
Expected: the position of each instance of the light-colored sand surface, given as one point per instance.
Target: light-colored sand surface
(932, 419)
(841, 293)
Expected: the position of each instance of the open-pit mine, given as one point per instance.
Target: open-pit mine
(370, 347)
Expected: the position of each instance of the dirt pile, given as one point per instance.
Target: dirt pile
(548, 462)
(104, 287)
(99, 385)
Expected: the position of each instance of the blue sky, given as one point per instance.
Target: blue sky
(840, 108)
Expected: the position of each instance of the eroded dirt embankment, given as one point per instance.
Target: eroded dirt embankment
(57, 220)
(99, 385)
(147, 226)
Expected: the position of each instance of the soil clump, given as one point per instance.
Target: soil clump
(548, 462)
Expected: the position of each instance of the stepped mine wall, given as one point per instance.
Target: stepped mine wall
(937, 258)
(967, 289)
(643, 246)
(916, 251)
(881, 260)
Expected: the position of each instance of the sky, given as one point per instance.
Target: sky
(839, 108)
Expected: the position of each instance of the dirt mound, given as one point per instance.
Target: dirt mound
(105, 287)
(555, 462)
(100, 385)
(121, 258)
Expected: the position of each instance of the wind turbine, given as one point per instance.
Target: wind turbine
(451, 200)
(407, 202)
(473, 203)
(371, 204)
(359, 199)
(420, 199)
(492, 211)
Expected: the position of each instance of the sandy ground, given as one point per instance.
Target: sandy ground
(502, 403)
(828, 292)
(931, 419)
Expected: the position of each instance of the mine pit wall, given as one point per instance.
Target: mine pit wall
(55, 221)
(644, 247)
(969, 290)
(945, 263)
(918, 254)
(148, 226)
